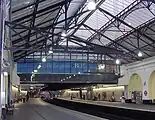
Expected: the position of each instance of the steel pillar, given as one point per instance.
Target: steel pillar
(1, 45)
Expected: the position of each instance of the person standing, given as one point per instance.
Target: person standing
(27, 96)
(123, 99)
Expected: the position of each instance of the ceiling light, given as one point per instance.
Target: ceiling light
(39, 66)
(91, 5)
(50, 51)
(35, 71)
(31, 87)
(31, 7)
(43, 59)
(117, 61)
(63, 34)
(5, 73)
(140, 54)
(78, 72)
(74, 74)
(27, 2)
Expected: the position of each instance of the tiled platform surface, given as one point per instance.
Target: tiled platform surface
(36, 109)
(141, 107)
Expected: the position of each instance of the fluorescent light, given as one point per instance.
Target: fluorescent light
(50, 51)
(43, 59)
(39, 66)
(117, 61)
(35, 71)
(91, 5)
(140, 54)
(5, 73)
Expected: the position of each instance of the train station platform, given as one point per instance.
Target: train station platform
(36, 109)
(132, 106)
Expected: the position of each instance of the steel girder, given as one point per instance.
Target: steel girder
(122, 15)
(134, 33)
(132, 53)
(87, 17)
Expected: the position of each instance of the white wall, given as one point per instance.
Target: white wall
(142, 68)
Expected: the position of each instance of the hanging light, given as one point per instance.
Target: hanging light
(91, 5)
(50, 51)
(35, 71)
(117, 61)
(63, 34)
(140, 54)
(39, 66)
(43, 59)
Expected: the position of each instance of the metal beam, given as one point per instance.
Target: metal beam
(87, 17)
(123, 22)
(111, 40)
(32, 23)
(41, 11)
(123, 14)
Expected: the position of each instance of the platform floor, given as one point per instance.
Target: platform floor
(141, 107)
(37, 109)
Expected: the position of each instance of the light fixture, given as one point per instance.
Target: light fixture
(5, 73)
(91, 5)
(27, 2)
(31, 7)
(50, 51)
(35, 71)
(63, 34)
(101, 67)
(61, 80)
(74, 75)
(43, 59)
(31, 87)
(117, 61)
(69, 76)
(78, 72)
(39, 66)
(140, 54)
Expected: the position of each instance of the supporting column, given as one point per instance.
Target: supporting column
(1, 47)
